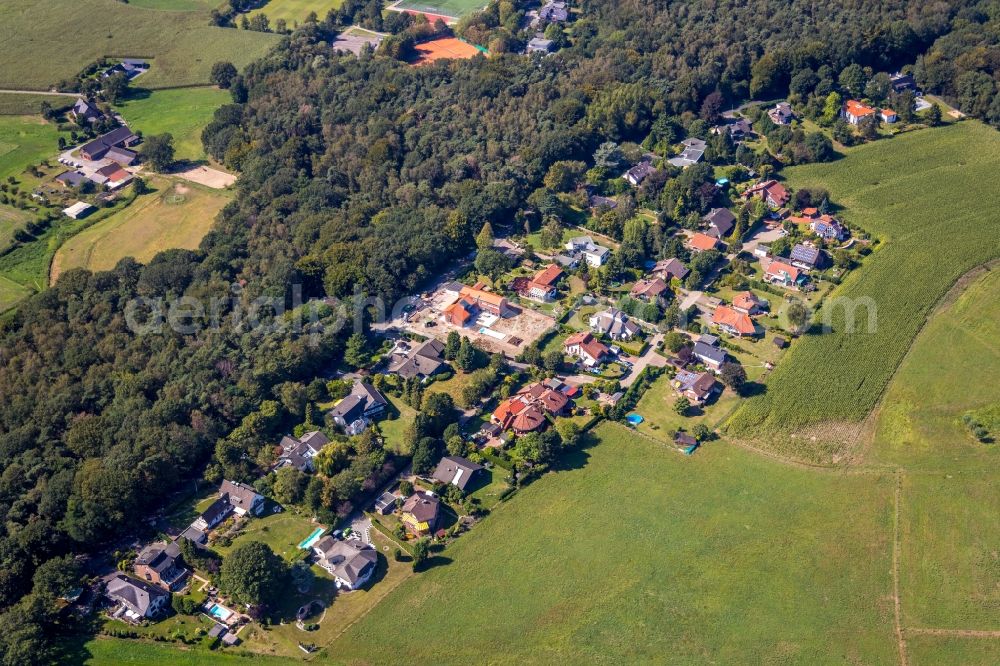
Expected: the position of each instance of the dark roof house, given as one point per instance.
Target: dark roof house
(116, 138)
(456, 470)
(720, 222)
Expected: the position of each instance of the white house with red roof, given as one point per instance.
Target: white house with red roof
(855, 111)
(587, 348)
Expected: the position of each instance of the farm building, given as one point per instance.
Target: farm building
(116, 138)
(78, 210)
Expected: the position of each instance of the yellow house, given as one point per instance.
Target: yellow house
(420, 513)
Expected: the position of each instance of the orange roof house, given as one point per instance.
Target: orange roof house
(543, 284)
(525, 412)
(773, 192)
(484, 300)
(457, 313)
(786, 275)
(855, 111)
(648, 289)
(702, 242)
(748, 303)
(733, 322)
(586, 347)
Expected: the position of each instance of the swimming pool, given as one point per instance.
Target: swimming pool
(634, 419)
(220, 612)
(312, 538)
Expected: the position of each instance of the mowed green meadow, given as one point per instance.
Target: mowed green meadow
(641, 554)
(183, 112)
(456, 8)
(47, 41)
(295, 10)
(931, 198)
(25, 140)
(950, 482)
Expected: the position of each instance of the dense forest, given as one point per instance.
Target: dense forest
(364, 175)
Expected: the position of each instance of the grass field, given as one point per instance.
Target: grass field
(295, 10)
(47, 41)
(16, 104)
(175, 215)
(454, 8)
(25, 140)
(931, 197)
(951, 569)
(722, 557)
(183, 112)
(11, 219)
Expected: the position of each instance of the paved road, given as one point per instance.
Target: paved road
(51, 93)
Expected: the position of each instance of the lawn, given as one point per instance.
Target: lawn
(394, 430)
(176, 215)
(931, 197)
(295, 10)
(181, 44)
(183, 112)
(721, 557)
(281, 531)
(661, 421)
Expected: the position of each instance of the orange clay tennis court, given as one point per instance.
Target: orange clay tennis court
(438, 49)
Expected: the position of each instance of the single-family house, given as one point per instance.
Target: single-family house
(116, 138)
(737, 128)
(385, 504)
(691, 154)
(854, 111)
(354, 413)
(420, 361)
(597, 202)
(419, 513)
(773, 193)
(702, 243)
(587, 348)
(827, 228)
(134, 599)
(649, 290)
(553, 11)
(299, 452)
(711, 356)
(525, 411)
(485, 301)
(159, 563)
(901, 82)
(592, 253)
(806, 256)
(243, 498)
(351, 562)
(539, 45)
(668, 269)
(543, 285)
(85, 112)
(508, 248)
(783, 274)
(733, 322)
(697, 387)
(720, 222)
(747, 303)
(888, 116)
(456, 470)
(781, 114)
(639, 173)
(216, 512)
(614, 323)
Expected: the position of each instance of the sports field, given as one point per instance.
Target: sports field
(183, 112)
(931, 197)
(439, 49)
(176, 215)
(295, 10)
(47, 41)
(444, 8)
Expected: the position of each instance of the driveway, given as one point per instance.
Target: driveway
(765, 236)
(650, 357)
